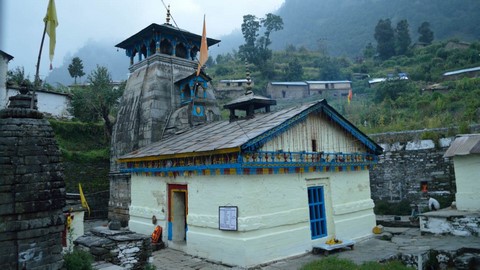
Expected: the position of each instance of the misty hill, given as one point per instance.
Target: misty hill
(339, 27)
(345, 27)
(92, 54)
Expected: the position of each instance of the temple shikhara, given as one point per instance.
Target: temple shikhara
(260, 186)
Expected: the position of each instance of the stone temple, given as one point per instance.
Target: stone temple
(32, 189)
(163, 96)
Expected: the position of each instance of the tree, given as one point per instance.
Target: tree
(76, 68)
(426, 34)
(369, 51)
(255, 50)
(384, 36)
(18, 77)
(329, 69)
(402, 37)
(98, 99)
(294, 71)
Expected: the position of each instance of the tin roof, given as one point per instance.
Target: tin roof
(460, 71)
(464, 145)
(317, 82)
(6, 55)
(288, 83)
(225, 136)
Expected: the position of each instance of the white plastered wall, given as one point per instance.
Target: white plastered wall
(467, 174)
(148, 199)
(273, 217)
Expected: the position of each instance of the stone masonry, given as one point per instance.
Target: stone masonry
(120, 247)
(32, 189)
(408, 162)
(150, 109)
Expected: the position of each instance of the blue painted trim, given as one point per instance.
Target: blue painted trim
(170, 231)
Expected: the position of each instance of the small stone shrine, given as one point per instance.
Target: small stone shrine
(32, 188)
(120, 247)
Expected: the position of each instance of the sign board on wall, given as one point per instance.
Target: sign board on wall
(228, 218)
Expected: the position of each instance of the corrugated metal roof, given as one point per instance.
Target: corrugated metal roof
(317, 82)
(234, 81)
(460, 71)
(231, 136)
(464, 145)
(289, 83)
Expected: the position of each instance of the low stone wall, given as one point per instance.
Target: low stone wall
(462, 259)
(120, 247)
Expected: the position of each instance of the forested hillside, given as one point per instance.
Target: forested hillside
(345, 27)
(394, 105)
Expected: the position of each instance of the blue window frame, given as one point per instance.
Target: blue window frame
(316, 205)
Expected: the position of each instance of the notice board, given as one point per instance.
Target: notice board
(228, 218)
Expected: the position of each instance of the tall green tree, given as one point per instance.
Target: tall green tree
(294, 71)
(256, 48)
(402, 37)
(426, 34)
(384, 35)
(76, 68)
(369, 51)
(98, 99)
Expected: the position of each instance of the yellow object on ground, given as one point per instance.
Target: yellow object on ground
(377, 229)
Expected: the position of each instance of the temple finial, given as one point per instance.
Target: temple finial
(168, 15)
(248, 89)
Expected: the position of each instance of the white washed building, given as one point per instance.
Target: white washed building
(465, 151)
(256, 189)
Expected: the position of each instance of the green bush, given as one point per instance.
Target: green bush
(78, 260)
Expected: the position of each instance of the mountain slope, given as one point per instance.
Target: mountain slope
(346, 26)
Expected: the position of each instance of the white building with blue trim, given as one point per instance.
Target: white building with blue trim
(257, 188)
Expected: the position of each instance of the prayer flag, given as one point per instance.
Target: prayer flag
(51, 24)
(82, 199)
(203, 48)
(350, 96)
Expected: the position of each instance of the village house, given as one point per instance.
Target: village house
(50, 103)
(257, 188)
(292, 90)
(4, 59)
(465, 151)
(230, 89)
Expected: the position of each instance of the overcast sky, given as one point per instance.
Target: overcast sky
(112, 21)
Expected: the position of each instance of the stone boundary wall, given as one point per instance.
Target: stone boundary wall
(408, 162)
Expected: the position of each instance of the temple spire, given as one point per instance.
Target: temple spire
(248, 89)
(168, 15)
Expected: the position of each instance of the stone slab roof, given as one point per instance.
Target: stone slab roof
(464, 145)
(225, 136)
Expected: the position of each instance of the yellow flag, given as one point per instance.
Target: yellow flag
(82, 199)
(350, 95)
(203, 48)
(51, 24)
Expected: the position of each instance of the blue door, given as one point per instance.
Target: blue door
(316, 205)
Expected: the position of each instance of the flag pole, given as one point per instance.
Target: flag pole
(37, 76)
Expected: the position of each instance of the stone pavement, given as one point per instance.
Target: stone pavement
(406, 241)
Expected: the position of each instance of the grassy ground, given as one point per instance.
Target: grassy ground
(334, 263)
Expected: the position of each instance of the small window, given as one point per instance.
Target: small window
(228, 84)
(239, 84)
(284, 94)
(424, 186)
(314, 145)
